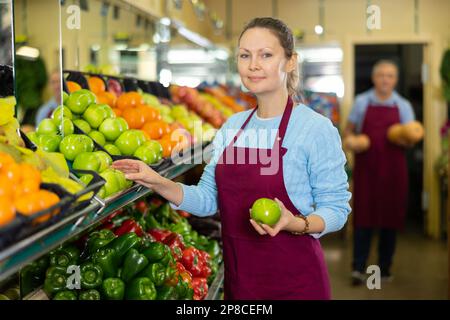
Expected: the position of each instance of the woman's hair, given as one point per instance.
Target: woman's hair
(286, 39)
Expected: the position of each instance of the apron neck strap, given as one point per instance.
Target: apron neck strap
(283, 124)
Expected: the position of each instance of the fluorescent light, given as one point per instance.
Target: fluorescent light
(95, 47)
(120, 47)
(165, 21)
(195, 37)
(318, 29)
(28, 52)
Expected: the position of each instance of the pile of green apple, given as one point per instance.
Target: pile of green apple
(100, 124)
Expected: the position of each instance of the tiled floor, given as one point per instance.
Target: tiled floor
(420, 269)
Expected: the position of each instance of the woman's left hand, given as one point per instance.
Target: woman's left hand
(283, 224)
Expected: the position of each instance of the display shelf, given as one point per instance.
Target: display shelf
(215, 289)
(31, 248)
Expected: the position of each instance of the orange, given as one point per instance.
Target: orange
(150, 114)
(5, 160)
(28, 185)
(96, 85)
(128, 100)
(7, 211)
(117, 112)
(12, 173)
(167, 146)
(134, 118)
(107, 98)
(73, 86)
(46, 200)
(6, 188)
(29, 172)
(28, 203)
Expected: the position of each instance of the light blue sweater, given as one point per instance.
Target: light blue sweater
(313, 167)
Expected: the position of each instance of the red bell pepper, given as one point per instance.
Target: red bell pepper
(196, 262)
(142, 206)
(183, 213)
(176, 244)
(200, 286)
(159, 234)
(129, 226)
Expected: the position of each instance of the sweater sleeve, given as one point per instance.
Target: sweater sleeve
(201, 199)
(328, 178)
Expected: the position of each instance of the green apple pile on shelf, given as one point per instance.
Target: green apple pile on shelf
(99, 124)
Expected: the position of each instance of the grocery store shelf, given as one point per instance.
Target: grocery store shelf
(214, 291)
(31, 248)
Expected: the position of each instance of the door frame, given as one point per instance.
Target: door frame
(433, 113)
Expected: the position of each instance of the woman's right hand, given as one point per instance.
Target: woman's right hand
(141, 173)
(138, 172)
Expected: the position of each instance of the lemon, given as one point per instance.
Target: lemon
(7, 109)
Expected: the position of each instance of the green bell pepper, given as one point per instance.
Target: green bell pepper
(166, 293)
(182, 289)
(90, 295)
(122, 244)
(156, 272)
(213, 249)
(106, 259)
(66, 295)
(99, 239)
(155, 251)
(91, 275)
(152, 223)
(140, 289)
(113, 289)
(55, 280)
(33, 275)
(134, 263)
(65, 256)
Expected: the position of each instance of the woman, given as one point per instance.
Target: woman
(277, 151)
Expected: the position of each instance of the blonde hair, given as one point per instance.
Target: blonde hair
(287, 41)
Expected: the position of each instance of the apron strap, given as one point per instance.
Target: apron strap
(281, 130)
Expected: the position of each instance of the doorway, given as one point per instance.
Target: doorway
(409, 59)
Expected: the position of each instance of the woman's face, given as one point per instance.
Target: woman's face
(262, 62)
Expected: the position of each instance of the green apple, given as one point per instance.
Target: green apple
(83, 125)
(80, 100)
(112, 184)
(86, 178)
(33, 136)
(102, 192)
(267, 211)
(105, 160)
(146, 154)
(163, 109)
(61, 110)
(112, 149)
(111, 129)
(150, 99)
(128, 142)
(65, 96)
(123, 123)
(167, 118)
(94, 115)
(179, 111)
(86, 161)
(123, 182)
(109, 112)
(155, 146)
(74, 144)
(49, 142)
(47, 126)
(97, 137)
(66, 127)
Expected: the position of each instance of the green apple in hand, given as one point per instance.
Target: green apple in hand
(267, 211)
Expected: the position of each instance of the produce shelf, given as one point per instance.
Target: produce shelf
(35, 246)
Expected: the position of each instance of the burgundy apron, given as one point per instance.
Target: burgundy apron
(381, 174)
(285, 267)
